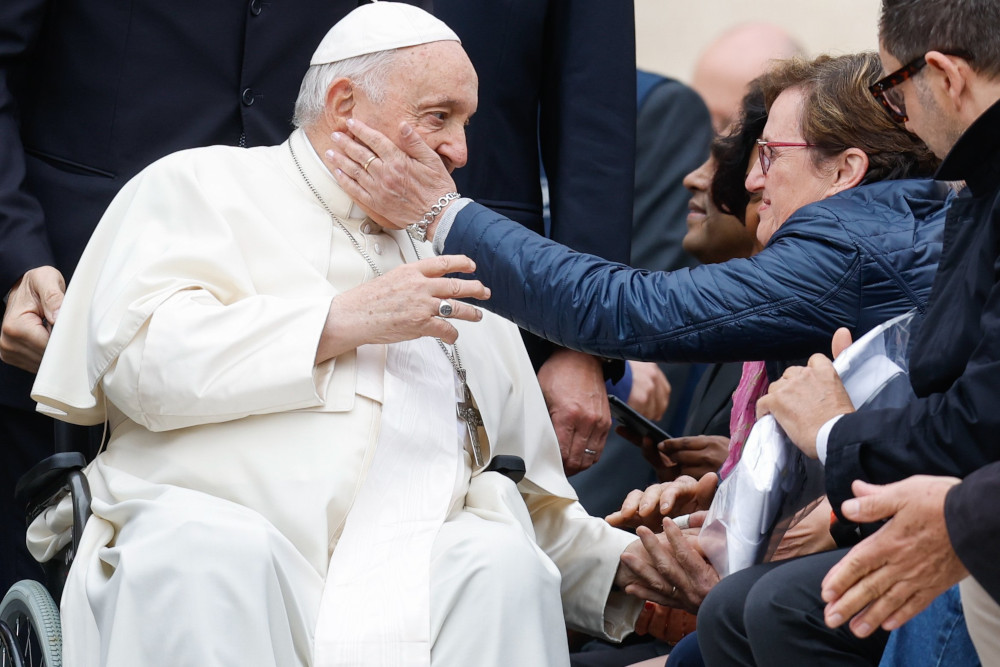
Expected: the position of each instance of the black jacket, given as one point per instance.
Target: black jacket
(952, 427)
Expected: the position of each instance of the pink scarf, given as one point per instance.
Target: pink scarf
(753, 384)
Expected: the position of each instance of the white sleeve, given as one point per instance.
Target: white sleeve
(197, 360)
(822, 438)
(445, 223)
(587, 551)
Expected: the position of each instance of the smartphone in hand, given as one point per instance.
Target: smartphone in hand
(633, 421)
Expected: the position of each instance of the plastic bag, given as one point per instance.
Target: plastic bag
(773, 482)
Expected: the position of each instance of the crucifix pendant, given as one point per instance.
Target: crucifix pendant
(469, 413)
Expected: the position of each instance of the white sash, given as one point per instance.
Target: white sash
(375, 608)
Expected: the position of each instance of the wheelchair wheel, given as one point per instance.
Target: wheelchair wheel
(32, 618)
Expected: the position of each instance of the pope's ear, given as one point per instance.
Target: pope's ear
(339, 104)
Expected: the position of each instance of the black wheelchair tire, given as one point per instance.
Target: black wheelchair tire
(29, 611)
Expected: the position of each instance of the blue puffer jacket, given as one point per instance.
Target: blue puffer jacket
(852, 260)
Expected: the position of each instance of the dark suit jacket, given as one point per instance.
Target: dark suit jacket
(92, 92)
(951, 427)
(674, 132)
(712, 400)
(556, 76)
(556, 89)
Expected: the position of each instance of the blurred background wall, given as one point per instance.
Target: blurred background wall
(670, 34)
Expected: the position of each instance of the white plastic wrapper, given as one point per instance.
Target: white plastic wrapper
(774, 483)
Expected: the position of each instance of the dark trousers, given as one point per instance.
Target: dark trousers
(772, 614)
(25, 439)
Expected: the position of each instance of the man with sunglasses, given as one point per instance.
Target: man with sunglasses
(943, 60)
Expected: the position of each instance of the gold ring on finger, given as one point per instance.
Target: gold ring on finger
(368, 162)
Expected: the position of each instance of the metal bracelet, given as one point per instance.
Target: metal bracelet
(418, 230)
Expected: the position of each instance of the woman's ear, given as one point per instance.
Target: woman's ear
(850, 168)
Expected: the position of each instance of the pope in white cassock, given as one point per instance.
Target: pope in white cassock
(288, 480)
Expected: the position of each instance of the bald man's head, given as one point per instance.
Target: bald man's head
(737, 57)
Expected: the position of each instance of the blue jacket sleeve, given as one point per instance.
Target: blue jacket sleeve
(783, 303)
(24, 242)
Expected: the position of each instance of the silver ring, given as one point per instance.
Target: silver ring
(445, 309)
(369, 161)
(590, 451)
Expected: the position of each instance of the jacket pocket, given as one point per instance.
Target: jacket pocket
(71, 166)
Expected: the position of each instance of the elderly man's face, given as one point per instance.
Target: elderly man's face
(434, 88)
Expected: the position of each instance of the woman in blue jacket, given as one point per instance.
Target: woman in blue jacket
(851, 239)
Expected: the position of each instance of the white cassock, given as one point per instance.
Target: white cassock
(252, 508)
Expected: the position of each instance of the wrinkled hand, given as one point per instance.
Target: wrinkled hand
(670, 571)
(403, 181)
(685, 495)
(32, 309)
(650, 393)
(809, 536)
(402, 305)
(804, 399)
(577, 399)
(892, 575)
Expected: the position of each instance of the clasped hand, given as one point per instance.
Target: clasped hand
(667, 568)
(32, 308)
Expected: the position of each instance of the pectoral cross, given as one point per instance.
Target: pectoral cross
(469, 413)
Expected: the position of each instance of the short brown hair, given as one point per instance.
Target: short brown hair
(840, 113)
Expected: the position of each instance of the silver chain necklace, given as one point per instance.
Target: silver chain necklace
(467, 411)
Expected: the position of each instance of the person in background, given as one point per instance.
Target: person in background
(732, 60)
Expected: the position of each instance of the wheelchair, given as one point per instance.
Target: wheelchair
(30, 629)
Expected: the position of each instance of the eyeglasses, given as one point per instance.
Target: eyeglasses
(766, 155)
(885, 90)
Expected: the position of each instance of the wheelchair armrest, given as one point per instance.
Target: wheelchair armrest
(47, 477)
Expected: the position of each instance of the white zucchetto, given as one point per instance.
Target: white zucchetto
(380, 26)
